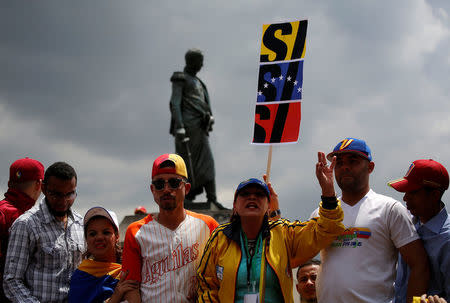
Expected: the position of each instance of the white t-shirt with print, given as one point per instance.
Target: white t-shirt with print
(360, 265)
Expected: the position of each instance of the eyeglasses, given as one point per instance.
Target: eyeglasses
(57, 195)
(258, 194)
(174, 183)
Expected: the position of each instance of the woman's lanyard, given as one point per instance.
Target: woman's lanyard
(262, 275)
(249, 258)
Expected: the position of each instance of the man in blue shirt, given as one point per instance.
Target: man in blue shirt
(424, 184)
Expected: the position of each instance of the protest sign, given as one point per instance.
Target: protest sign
(280, 83)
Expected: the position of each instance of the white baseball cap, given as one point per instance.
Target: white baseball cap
(100, 211)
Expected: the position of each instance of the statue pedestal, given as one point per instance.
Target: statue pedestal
(214, 209)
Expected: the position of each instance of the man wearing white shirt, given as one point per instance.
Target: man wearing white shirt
(359, 266)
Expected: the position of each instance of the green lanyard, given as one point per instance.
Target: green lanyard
(262, 275)
(251, 267)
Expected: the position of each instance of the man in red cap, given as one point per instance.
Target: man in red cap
(24, 188)
(424, 184)
(46, 243)
(140, 210)
(162, 251)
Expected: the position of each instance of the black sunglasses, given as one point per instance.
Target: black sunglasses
(174, 183)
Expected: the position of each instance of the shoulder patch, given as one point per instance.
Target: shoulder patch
(219, 272)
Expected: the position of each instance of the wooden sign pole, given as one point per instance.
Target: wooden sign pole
(269, 163)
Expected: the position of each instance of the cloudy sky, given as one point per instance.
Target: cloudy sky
(87, 82)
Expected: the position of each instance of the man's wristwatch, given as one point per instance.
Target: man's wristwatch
(275, 213)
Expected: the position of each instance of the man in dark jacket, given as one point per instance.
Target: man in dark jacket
(191, 123)
(24, 188)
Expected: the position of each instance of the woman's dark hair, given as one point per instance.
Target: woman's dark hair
(234, 217)
(117, 247)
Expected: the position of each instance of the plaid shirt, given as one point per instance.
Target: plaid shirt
(42, 255)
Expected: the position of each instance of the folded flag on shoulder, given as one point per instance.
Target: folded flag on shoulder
(94, 281)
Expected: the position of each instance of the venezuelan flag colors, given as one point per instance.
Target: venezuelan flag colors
(280, 83)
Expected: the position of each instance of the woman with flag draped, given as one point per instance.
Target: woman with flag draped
(99, 278)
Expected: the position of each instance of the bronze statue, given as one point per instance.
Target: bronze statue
(191, 123)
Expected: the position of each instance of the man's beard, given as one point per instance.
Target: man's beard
(171, 206)
(354, 186)
(55, 212)
(168, 205)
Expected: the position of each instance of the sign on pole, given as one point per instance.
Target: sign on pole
(280, 83)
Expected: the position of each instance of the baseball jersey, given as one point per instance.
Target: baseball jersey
(359, 266)
(165, 261)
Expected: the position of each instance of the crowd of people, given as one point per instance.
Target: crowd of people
(372, 248)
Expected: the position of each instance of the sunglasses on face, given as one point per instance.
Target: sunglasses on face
(258, 194)
(174, 183)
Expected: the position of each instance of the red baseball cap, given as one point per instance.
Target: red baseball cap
(25, 169)
(422, 173)
(179, 167)
(140, 210)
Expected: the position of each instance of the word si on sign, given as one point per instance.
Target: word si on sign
(280, 83)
